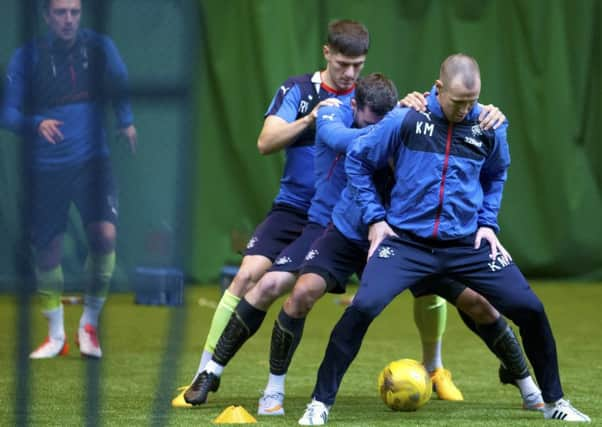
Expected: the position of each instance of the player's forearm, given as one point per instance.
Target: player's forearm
(278, 134)
(13, 120)
(117, 77)
(338, 137)
(123, 112)
(363, 190)
(492, 200)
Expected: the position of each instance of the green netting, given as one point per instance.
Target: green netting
(540, 62)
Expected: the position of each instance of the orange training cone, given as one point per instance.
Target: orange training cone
(234, 415)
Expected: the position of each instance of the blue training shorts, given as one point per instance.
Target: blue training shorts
(335, 258)
(90, 186)
(291, 258)
(282, 225)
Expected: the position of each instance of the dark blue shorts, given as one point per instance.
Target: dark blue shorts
(336, 258)
(282, 225)
(90, 186)
(291, 258)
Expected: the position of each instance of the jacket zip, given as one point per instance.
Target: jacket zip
(448, 141)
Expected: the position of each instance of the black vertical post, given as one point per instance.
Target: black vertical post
(97, 14)
(24, 281)
(192, 14)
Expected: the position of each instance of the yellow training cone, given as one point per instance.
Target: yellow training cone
(234, 415)
(179, 401)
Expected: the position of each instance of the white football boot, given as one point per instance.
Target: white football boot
(563, 410)
(87, 340)
(316, 414)
(51, 347)
(271, 404)
(533, 402)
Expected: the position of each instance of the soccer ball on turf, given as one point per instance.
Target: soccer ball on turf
(404, 385)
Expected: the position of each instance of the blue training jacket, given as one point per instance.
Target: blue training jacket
(294, 99)
(334, 133)
(449, 177)
(47, 81)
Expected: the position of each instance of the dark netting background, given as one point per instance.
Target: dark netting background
(159, 42)
(540, 63)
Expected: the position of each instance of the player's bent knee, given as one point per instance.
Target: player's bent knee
(307, 301)
(242, 283)
(102, 236)
(48, 261)
(369, 307)
(306, 293)
(253, 267)
(300, 303)
(528, 309)
(535, 309)
(272, 288)
(296, 305)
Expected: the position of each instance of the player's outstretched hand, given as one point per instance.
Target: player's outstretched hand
(491, 117)
(496, 247)
(49, 130)
(415, 100)
(377, 232)
(131, 136)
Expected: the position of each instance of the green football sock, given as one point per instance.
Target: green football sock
(430, 316)
(50, 287)
(222, 315)
(99, 270)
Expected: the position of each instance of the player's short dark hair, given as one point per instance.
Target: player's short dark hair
(376, 92)
(462, 65)
(349, 38)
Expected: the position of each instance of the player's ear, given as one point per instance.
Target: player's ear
(353, 103)
(326, 51)
(438, 85)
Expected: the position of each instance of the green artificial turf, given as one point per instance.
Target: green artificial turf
(149, 351)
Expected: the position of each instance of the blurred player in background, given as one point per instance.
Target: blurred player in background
(55, 92)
